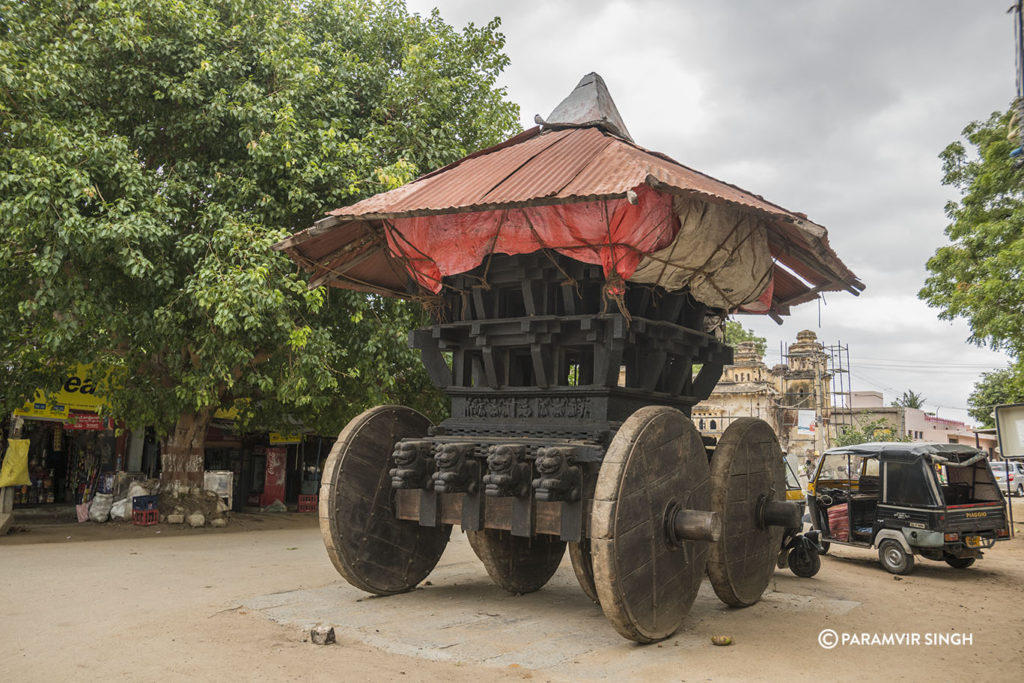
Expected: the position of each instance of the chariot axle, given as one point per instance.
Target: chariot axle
(778, 513)
(691, 525)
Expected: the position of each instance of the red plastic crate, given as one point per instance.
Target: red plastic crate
(308, 503)
(145, 517)
(839, 522)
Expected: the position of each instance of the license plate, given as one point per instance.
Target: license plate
(972, 541)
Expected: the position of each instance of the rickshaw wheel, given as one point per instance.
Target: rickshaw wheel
(746, 467)
(894, 558)
(373, 550)
(959, 562)
(516, 563)
(645, 583)
(583, 567)
(804, 561)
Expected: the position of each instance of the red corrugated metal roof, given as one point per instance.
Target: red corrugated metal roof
(544, 166)
(568, 164)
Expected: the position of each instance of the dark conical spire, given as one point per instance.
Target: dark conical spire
(589, 104)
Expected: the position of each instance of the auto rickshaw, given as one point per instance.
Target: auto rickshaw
(937, 501)
(800, 552)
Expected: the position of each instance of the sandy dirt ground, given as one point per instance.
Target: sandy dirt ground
(165, 603)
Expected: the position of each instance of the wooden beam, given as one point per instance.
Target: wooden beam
(344, 263)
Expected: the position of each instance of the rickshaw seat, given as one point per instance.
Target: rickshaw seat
(870, 485)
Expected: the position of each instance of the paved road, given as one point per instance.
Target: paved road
(237, 604)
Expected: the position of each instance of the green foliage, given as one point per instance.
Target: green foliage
(910, 399)
(874, 430)
(152, 151)
(995, 388)
(736, 333)
(978, 276)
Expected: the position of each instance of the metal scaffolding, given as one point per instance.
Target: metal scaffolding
(840, 398)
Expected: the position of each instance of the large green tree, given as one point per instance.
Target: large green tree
(978, 276)
(879, 429)
(992, 389)
(736, 333)
(151, 152)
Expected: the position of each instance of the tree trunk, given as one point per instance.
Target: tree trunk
(182, 453)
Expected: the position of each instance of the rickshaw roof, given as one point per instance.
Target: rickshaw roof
(906, 451)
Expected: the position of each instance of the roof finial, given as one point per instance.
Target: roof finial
(589, 104)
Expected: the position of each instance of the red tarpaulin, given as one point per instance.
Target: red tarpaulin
(612, 233)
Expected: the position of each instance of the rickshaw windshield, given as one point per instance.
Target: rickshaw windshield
(791, 480)
(840, 467)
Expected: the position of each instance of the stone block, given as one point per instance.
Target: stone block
(322, 635)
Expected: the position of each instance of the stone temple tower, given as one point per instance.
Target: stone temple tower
(805, 388)
(748, 388)
(793, 397)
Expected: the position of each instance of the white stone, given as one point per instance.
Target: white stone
(196, 519)
(175, 519)
(218, 522)
(322, 635)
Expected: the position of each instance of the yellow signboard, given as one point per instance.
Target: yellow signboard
(41, 410)
(280, 439)
(228, 414)
(77, 393)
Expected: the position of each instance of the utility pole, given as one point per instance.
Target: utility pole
(1017, 119)
(1018, 36)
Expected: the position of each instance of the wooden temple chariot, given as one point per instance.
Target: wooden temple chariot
(573, 332)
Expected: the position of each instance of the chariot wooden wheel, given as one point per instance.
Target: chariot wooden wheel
(748, 486)
(580, 552)
(583, 567)
(517, 564)
(372, 549)
(648, 521)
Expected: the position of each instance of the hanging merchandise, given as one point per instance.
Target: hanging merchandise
(14, 471)
(84, 470)
(273, 487)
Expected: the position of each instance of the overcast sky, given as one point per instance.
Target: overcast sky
(834, 108)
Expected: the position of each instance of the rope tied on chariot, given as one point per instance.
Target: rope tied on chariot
(614, 289)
